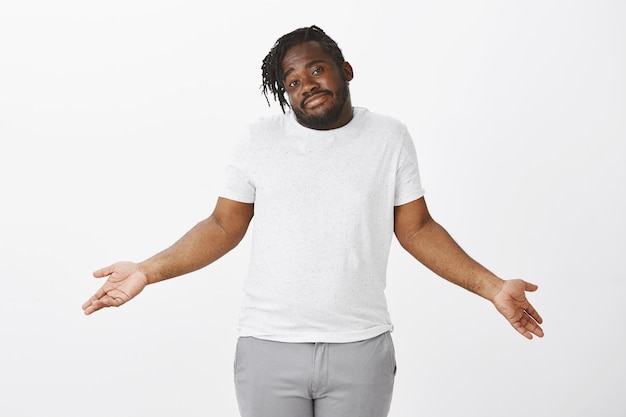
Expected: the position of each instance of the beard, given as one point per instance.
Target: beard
(327, 118)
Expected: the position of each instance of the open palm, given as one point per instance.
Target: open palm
(125, 281)
(512, 303)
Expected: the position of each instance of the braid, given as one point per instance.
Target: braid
(272, 68)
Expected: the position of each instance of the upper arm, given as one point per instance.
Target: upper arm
(409, 218)
(233, 217)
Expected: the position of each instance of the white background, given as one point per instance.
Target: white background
(115, 121)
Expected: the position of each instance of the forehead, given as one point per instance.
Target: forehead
(304, 53)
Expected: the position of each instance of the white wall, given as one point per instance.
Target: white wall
(115, 120)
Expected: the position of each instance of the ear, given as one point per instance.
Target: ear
(348, 72)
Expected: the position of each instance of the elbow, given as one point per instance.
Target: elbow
(409, 236)
(410, 221)
(230, 232)
(405, 238)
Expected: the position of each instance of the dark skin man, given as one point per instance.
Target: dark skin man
(318, 93)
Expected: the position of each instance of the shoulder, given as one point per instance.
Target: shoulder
(258, 130)
(378, 120)
(268, 123)
(381, 126)
(260, 135)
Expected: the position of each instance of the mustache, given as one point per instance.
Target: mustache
(311, 95)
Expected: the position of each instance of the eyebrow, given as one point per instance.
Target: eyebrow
(308, 65)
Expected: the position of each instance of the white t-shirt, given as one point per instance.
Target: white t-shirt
(323, 223)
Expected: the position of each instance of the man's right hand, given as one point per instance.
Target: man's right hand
(203, 244)
(125, 281)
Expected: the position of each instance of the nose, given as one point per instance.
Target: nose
(309, 85)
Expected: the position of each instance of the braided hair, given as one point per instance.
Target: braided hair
(272, 68)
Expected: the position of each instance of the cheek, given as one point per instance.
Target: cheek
(293, 98)
(333, 85)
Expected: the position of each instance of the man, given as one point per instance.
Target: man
(328, 184)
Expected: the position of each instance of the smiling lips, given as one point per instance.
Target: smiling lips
(315, 99)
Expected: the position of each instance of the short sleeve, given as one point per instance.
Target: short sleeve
(237, 184)
(408, 182)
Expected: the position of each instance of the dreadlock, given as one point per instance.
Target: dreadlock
(272, 68)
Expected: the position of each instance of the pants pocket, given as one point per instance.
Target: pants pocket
(392, 352)
(237, 360)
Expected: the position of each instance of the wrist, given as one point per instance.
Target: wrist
(492, 287)
(149, 271)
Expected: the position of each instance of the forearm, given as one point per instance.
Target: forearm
(433, 246)
(203, 244)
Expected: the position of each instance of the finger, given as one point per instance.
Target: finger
(86, 304)
(533, 328)
(97, 296)
(106, 301)
(90, 309)
(103, 272)
(95, 306)
(532, 325)
(114, 298)
(538, 331)
(92, 305)
(520, 326)
(93, 298)
(520, 322)
(530, 310)
(527, 326)
(531, 287)
(521, 330)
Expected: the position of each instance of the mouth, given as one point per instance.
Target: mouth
(316, 99)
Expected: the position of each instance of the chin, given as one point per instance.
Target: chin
(323, 119)
(319, 122)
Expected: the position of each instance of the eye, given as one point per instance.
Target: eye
(294, 83)
(318, 70)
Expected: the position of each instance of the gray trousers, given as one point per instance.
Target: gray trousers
(276, 379)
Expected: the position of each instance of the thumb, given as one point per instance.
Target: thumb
(103, 272)
(531, 287)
